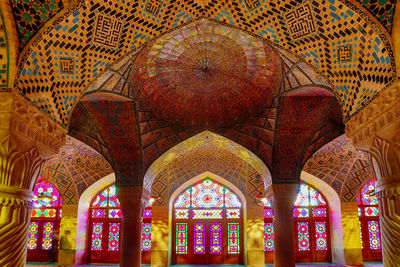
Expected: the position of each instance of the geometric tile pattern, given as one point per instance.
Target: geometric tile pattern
(382, 10)
(341, 166)
(215, 160)
(74, 169)
(31, 15)
(3, 55)
(355, 84)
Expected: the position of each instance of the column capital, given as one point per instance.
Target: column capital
(380, 118)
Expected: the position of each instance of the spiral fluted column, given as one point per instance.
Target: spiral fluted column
(284, 250)
(131, 232)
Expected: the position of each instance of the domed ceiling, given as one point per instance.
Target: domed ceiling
(207, 75)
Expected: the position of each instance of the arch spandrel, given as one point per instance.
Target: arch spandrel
(85, 53)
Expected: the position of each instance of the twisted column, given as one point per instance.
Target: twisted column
(131, 232)
(284, 250)
(15, 211)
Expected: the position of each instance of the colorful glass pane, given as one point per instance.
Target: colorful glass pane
(183, 201)
(320, 236)
(367, 196)
(181, 214)
(146, 237)
(207, 194)
(268, 213)
(316, 199)
(371, 211)
(269, 236)
(101, 199)
(301, 212)
(359, 211)
(112, 197)
(374, 235)
(47, 235)
(33, 235)
(233, 238)
(267, 203)
(302, 199)
(181, 238)
(147, 213)
(43, 213)
(113, 237)
(319, 212)
(215, 240)
(51, 196)
(361, 238)
(114, 213)
(199, 238)
(207, 214)
(233, 213)
(97, 235)
(303, 236)
(231, 200)
(98, 213)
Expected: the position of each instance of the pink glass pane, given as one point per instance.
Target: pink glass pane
(207, 214)
(319, 212)
(199, 238)
(47, 235)
(371, 211)
(43, 213)
(320, 236)
(215, 240)
(268, 213)
(301, 212)
(303, 236)
(101, 199)
(114, 213)
(181, 238)
(367, 195)
(374, 235)
(51, 196)
(269, 237)
(231, 200)
(181, 214)
(33, 235)
(233, 238)
(112, 197)
(146, 236)
(183, 201)
(97, 235)
(233, 213)
(302, 199)
(147, 213)
(113, 237)
(316, 199)
(98, 213)
(207, 194)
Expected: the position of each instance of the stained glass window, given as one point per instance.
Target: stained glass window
(374, 235)
(320, 236)
(45, 195)
(303, 236)
(32, 235)
(233, 238)
(199, 238)
(146, 237)
(181, 238)
(207, 214)
(97, 236)
(269, 236)
(113, 237)
(215, 240)
(367, 195)
(47, 235)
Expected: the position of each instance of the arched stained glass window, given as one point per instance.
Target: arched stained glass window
(45, 220)
(105, 226)
(310, 213)
(368, 211)
(207, 224)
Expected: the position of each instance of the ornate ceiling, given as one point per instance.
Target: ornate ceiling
(74, 169)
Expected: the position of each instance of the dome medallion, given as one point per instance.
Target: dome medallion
(206, 75)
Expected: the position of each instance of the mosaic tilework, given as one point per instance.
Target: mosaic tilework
(3, 55)
(382, 10)
(301, 22)
(341, 166)
(31, 15)
(356, 84)
(107, 31)
(212, 159)
(74, 169)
